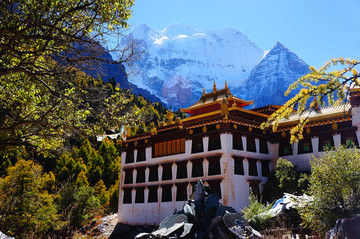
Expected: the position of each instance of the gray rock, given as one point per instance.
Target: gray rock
(348, 228)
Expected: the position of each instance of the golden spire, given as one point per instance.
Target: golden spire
(226, 85)
(224, 107)
(203, 91)
(214, 88)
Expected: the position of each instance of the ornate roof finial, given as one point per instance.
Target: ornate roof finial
(226, 85)
(203, 91)
(214, 88)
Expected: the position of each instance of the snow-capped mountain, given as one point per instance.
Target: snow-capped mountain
(177, 62)
(272, 76)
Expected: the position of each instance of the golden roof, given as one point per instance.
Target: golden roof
(216, 97)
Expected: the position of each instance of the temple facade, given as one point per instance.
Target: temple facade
(222, 144)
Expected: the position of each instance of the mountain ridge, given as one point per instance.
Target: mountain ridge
(176, 63)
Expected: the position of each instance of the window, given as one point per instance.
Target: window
(181, 170)
(181, 192)
(166, 193)
(169, 148)
(326, 142)
(214, 165)
(239, 167)
(350, 142)
(127, 196)
(237, 142)
(265, 171)
(215, 186)
(167, 172)
(263, 147)
(153, 194)
(153, 173)
(139, 196)
(140, 175)
(285, 148)
(128, 176)
(197, 168)
(197, 145)
(305, 146)
(254, 187)
(250, 143)
(140, 155)
(349, 139)
(252, 167)
(214, 142)
(129, 156)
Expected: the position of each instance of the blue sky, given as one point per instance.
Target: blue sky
(316, 30)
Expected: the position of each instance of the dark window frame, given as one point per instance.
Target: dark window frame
(154, 173)
(166, 195)
(140, 195)
(153, 194)
(263, 146)
(127, 195)
(181, 192)
(181, 170)
(239, 165)
(129, 176)
(167, 172)
(140, 175)
(197, 171)
(214, 167)
(237, 142)
(250, 143)
(265, 171)
(129, 158)
(253, 167)
(141, 154)
(197, 145)
(214, 142)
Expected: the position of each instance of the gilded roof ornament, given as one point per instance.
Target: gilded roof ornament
(214, 87)
(203, 91)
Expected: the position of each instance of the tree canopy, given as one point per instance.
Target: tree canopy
(334, 185)
(44, 47)
(330, 84)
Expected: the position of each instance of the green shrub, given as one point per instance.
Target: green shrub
(286, 179)
(335, 188)
(256, 213)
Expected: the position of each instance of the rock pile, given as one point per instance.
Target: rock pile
(348, 228)
(203, 217)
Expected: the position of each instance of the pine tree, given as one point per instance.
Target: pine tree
(26, 208)
(112, 161)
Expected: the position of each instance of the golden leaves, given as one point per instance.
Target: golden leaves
(326, 83)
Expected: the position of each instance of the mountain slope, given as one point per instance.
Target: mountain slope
(271, 77)
(177, 62)
(107, 71)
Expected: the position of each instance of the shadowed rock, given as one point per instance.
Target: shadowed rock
(203, 217)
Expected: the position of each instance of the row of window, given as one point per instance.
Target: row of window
(250, 144)
(166, 196)
(178, 146)
(215, 143)
(239, 167)
(197, 170)
(181, 172)
(325, 143)
(169, 148)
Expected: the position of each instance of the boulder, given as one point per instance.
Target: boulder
(345, 228)
(203, 217)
